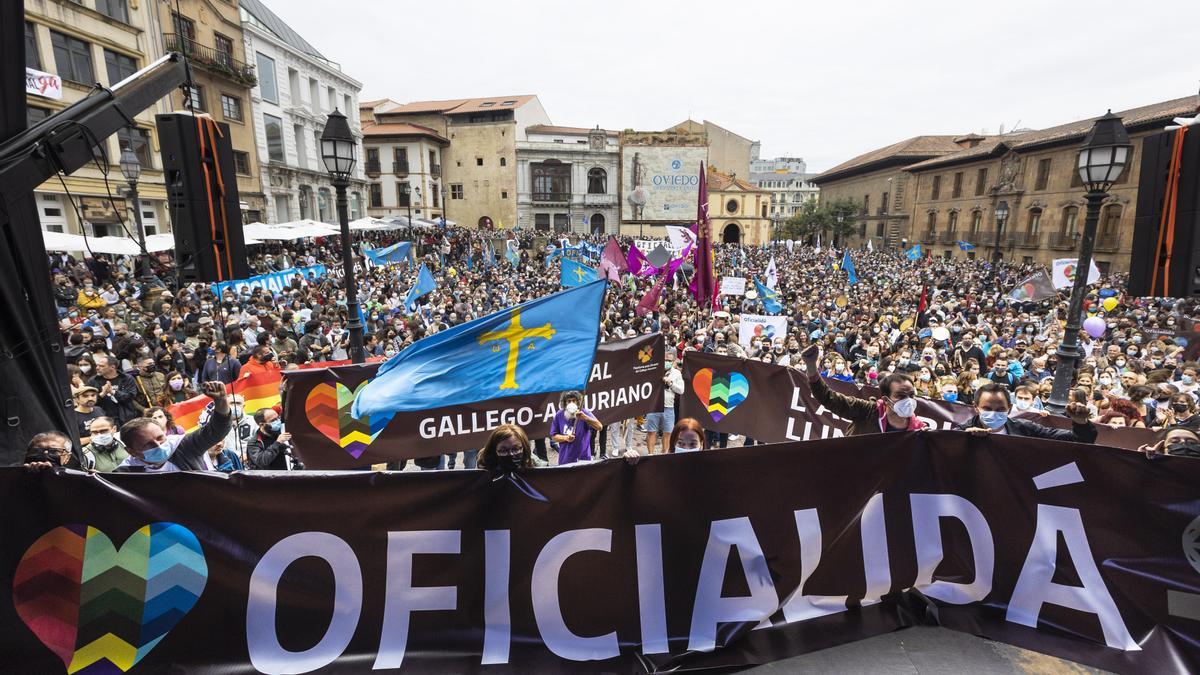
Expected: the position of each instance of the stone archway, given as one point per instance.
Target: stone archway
(731, 234)
(597, 223)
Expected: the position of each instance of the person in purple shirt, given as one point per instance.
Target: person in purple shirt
(572, 429)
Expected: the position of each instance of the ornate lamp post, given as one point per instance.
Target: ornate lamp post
(337, 152)
(131, 168)
(1102, 159)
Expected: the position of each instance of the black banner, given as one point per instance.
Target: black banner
(626, 381)
(1083, 552)
(774, 404)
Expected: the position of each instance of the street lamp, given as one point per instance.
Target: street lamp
(841, 217)
(406, 190)
(1102, 159)
(1001, 219)
(131, 168)
(337, 152)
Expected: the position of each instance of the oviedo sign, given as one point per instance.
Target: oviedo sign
(718, 558)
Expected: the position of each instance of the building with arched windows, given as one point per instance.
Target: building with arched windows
(738, 210)
(939, 190)
(567, 180)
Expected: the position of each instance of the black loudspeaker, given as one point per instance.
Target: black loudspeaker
(202, 198)
(1148, 275)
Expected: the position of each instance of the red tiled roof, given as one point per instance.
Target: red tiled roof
(456, 106)
(916, 148)
(400, 129)
(721, 182)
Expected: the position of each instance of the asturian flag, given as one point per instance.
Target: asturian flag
(913, 253)
(769, 297)
(575, 273)
(772, 275)
(425, 283)
(965, 246)
(543, 345)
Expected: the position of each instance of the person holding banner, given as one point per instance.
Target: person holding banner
(991, 417)
(895, 410)
(507, 450)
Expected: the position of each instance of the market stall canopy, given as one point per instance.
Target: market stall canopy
(372, 224)
(299, 229)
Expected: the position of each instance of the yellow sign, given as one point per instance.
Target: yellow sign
(513, 335)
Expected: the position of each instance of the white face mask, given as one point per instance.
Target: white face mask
(1022, 405)
(679, 449)
(102, 439)
(905, 407)
(572, 409)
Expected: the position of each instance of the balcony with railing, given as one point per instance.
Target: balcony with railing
(1063, 241)
(948, 237)
(212, 60)
(1029, 240)
(554, 197)
(599, 199)
(435, 169)
(372, 167)
(400, 167)
(1108, 242)
(928, 237)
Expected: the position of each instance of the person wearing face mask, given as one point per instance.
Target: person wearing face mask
(151, 385)
(179, 389)
(894, 410)
(104, 452)
(992, 417)
(572, 429)
(687, 436)
(262, 360)
(1178, 442)
(507, 450)
(1025, 400)
(150, 451)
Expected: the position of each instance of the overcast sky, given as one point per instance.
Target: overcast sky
(820, 80)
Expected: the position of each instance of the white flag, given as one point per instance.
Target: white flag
(818, 242)
(680, 237)
(1064, 272)
(772, 275)
(870, 244)
(790, 244)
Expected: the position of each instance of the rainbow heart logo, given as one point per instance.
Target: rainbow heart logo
(328, 409)
(720, 394)
(102, 608)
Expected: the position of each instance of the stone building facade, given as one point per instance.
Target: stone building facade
(738, 210)
(728, 152)
(403, 163)
(296, 90)
(567, 180)
(480, 163)
(209, 32)
(1034, 173)
(84, 43)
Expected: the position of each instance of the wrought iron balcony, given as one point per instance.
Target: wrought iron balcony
(1063, 241)
(212, 60)
(595, 199)
(400, 167)
(1108, 242)
(1029, 240)
(371, 167)
(928, 237)
(562, 197)
(435, 169)
(948, 237)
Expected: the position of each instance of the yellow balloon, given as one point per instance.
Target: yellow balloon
(1110, 304)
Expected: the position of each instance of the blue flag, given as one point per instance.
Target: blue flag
(396, 253)
(770, 298)
(547, 344)
(848, 265)
(425, 283)
(965, 246)
(489, 254)
(913, 253)
(575, 273)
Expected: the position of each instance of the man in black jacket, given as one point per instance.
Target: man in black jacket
(991, 417)
(117, 389)
(270, 447)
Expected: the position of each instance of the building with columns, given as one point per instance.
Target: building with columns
(567, 180)
(297, 88)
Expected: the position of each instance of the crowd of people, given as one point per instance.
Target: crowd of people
(136, 346)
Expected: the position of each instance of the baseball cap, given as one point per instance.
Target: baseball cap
(76, 391)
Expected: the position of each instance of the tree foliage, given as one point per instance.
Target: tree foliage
(822, 219)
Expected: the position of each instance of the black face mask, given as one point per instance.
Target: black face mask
(1184, 449)
(1179, 407)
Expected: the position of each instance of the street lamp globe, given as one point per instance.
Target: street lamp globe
(1104, 154)
(131, 168)
(337, 146)
(1002, 211)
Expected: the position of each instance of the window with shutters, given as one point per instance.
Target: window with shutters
(72, 58)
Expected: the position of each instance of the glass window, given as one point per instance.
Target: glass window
(231, 107)
(139, 141)
(980, 181)
(1070, 218)
(597, 181)
(34, 114)
(1043, 174)
(551, 181)
(456, 191)
(194, 98)
(72, 58)
(119, 66)
(266, 80)
(32, 58)
(224, 49)
(241, 162)
(184, 27)
(376, 195)
(274, 130)
(1035, 221)
(113, 8)
(936, 190)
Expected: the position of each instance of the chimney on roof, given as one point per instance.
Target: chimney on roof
(968, 141)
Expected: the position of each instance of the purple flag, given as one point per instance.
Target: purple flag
(650, 300)
(636, 259)
(613, 262)
(704, 281)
